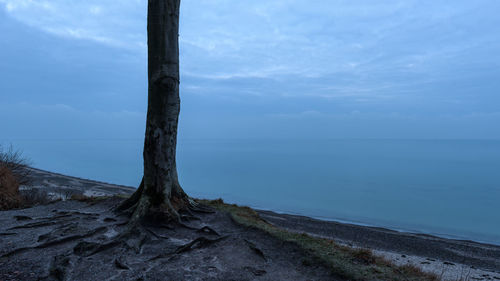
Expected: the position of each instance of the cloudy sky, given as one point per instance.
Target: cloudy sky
(256, 69)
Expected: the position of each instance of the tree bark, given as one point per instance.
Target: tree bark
(160, 188)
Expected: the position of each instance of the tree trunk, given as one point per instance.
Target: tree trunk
(160, 189)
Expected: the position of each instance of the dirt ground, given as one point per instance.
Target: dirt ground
(56, 242)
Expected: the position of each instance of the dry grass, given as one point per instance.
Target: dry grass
(13, 160)
(13, 198)
(13, 174)
(35, 196)
(88, 199)
(345, 262)
(9, 190)
(82, 198)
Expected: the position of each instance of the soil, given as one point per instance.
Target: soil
(55, 242)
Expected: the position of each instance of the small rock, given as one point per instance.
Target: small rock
(448, 263)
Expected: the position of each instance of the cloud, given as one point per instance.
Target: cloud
(121, 24)
(95, 10)
(372, 56)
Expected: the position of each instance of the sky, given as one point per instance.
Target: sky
(255, 69)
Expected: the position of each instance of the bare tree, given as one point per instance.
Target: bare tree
(160, 192)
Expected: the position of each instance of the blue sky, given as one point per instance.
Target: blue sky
(256, 69)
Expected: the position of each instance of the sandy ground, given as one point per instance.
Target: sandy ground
(450, 259)
(448, 271)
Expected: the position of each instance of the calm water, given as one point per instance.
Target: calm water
(445, 187)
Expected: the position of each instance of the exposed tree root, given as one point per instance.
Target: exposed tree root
(135, 234)
(189, 218)
(121, 264)
(256, 250)
(197, 243)
(34, 224)
(156, 234)
(22, 218)
(178, 208)
(48, 221)
(134, 238)
(70, 213)
(208, 230)
(56, 242)
(175, 210)
(199, 208)
(171, 214)
(132, 200)
(181, 224)
(86, 249)
(136, 241)
(58, 232)
(59, 216)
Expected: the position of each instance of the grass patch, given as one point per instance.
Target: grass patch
(346, 262)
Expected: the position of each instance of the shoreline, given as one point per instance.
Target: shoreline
(91, 190)
(389, 228)
(450, 258)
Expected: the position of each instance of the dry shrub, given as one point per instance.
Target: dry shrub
(35, 196)
(364, 256)
(16, 163)
(14, 173)
(9, 190)
(410, 269)
(81, 198)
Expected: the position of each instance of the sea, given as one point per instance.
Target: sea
(448, 188)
